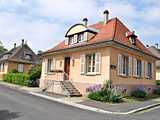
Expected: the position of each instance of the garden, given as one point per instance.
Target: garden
(30, 79)
(108, 94)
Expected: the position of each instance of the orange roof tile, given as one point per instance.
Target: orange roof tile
(114, 30)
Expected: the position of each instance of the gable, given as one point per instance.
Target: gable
(76, 29)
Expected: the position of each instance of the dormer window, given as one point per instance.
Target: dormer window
(71, 39)
(132, 40)
(28, 57)
(80, 37)
(79, 33)
(131, 37)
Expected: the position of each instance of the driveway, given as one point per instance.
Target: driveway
(18, 105)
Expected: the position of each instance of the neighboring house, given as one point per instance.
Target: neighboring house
(93, 54)
(156, 52)
(21, 58)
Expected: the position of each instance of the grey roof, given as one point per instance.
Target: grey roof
(19, 53)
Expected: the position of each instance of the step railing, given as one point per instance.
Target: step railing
(53, 77)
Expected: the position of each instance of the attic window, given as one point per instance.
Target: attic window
(80, 37)
(71, 39)
(28, 57)
(131, 37)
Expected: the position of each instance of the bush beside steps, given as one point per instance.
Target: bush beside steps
(106, 94)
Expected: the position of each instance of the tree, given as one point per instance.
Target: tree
(2, 48)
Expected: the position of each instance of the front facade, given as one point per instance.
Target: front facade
(20, 58)
(92, 55)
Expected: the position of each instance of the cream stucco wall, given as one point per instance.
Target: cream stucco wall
(81, 81)
(130, 81)
(158, 74)
(109, 57)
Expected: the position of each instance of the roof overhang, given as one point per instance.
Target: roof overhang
(111, 43)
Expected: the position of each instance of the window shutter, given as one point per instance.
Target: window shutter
(130, 66)
(135, 67)
(98, 63)
(85, 36)
(152, 70)
(119, 64)
(75, 38)
(45, 65)
(66, 42)
(146, 69)
(82, 63)
(143, 69)
(53, 65)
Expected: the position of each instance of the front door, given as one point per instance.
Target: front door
(67, 68)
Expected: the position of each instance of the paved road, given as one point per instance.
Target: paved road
(16, 105)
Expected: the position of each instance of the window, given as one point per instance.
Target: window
(139, 68)
(149, 70)
(90, 60)
(80, 37)
(20, 68)
(132, 40)
(123, 65)
(90, 64)
(2, 65)
(28, 57)
(71, 39)
(49, 65)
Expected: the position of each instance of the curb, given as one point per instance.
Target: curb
(84, 107)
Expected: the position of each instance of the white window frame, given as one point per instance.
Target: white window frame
(92, 65)
(80, 37)
(20, 67)
(139, 64)
(71, 40)
(123, 63)
(49, 64)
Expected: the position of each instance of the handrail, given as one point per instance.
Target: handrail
(64, 75)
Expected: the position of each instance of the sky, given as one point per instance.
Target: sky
(43, 23)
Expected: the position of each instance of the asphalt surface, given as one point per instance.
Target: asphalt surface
(18, 105)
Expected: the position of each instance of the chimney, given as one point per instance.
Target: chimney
(106, 16)
(22, 42)
(85, 20)
(14, 45)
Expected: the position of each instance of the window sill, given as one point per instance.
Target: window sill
(90, 74)
(124, 76)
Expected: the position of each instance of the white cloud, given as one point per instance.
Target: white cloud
(44, 22)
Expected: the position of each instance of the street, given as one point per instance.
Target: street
(18, 105)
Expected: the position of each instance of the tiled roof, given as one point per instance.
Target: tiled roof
(17, 55)
(113, 30)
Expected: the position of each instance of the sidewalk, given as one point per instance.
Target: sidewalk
(86, 104)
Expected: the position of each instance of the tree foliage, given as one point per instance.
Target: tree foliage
(2, 48)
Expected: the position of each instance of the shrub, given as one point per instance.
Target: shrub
(14, 71)
(158, 82)
(34, 75)
(106, 94)
(17, 78)
(138, 93)
(157, 91)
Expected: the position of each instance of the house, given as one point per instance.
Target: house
(156, 52)
(93, 54)
(21, 58)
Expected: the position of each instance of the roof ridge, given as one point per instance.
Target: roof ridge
(115, 26)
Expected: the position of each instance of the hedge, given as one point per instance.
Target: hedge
(17, 78)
